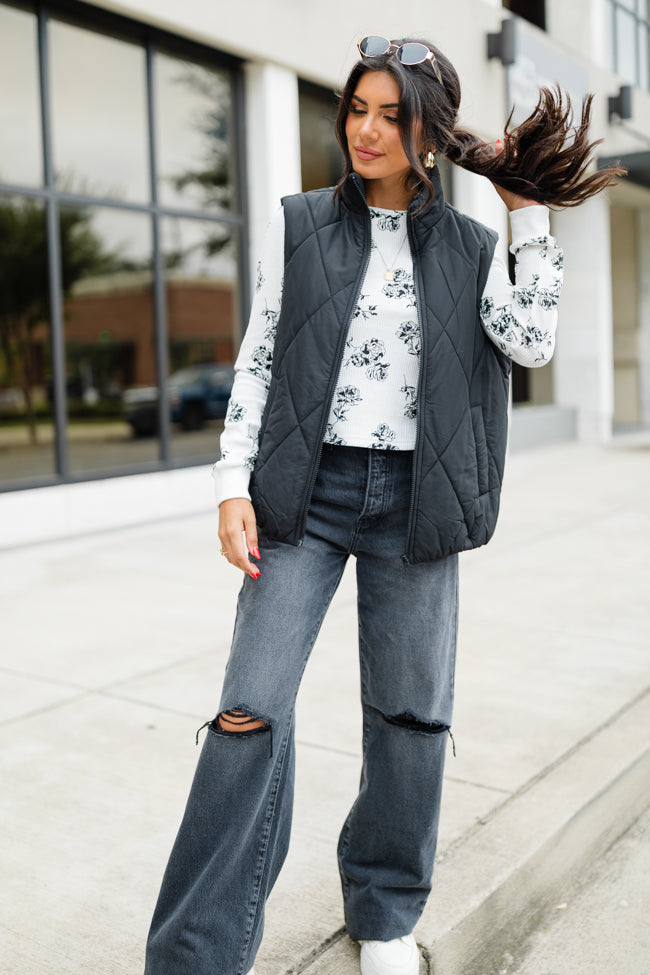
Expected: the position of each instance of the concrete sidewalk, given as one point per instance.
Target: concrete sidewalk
(113, 648)
(602, 923)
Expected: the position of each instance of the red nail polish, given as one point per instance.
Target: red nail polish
(256, 552)
(255, 575)
(499, 143)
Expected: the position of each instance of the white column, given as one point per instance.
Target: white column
(644, 313)
(584, 359)
(475, 196)
(272, 145)
(601, 32)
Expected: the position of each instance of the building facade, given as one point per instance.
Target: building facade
(143, 148)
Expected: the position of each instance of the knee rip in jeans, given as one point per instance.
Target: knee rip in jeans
(238, 722)
(410, 723)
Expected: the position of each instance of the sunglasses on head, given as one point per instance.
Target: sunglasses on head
(413, 52)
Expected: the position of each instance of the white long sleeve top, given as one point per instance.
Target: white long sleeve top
(375, 400)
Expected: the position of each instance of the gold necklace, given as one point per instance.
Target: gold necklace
(388, 273)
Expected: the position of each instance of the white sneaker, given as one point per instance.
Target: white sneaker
(397, 957)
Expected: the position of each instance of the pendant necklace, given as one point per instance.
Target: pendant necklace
(388, 273)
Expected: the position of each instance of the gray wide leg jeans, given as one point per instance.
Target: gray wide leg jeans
(235, 832)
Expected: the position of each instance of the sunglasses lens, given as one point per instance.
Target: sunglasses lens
(374, 46)
(412, 53)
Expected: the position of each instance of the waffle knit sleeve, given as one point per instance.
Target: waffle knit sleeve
(521, 319)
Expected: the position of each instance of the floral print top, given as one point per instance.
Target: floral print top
(375, 400)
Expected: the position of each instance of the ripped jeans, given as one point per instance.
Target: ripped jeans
(235, 832)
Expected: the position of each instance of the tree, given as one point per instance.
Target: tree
(24, 287)
(212, 176)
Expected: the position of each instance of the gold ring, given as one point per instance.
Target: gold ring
(223, 552)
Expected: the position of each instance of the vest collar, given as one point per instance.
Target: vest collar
(354, 196)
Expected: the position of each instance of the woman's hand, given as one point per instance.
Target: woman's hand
(512, 200)
(238, 534)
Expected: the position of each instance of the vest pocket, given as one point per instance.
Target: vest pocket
(482, 456)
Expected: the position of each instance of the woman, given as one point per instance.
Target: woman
(368, 417)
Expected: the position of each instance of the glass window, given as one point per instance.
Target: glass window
(631, 40)
(203, 326)
(99, 124)
(626, 42)
(109, 337)
(20, 127)
(100, 198)
(644, 52)
(26, 428)
(194, 135)
(320, 154)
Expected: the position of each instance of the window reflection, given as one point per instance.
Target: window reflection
(99, 111)
(20, 133)
(97, 114)
(203, 324)
(109, 333)
(26, 428)
(320, 155)
(194, 132)
(626, 42)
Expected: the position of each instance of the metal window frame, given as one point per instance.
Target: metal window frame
(151, 40)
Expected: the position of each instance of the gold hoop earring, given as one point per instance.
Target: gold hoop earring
(429, 160)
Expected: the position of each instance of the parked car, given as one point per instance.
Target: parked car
(196, 394)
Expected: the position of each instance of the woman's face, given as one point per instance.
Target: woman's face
(372, 129)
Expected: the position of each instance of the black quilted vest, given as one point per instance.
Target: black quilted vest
(463, 391)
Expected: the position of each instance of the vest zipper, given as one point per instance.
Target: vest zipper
(408, 555)
(334, 377)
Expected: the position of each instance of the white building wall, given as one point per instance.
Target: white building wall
(476, 196)
(583, 365)
(581, 28)
(318, 41)
(644, 313)
(625, 307)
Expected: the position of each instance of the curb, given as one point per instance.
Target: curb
(492, 886)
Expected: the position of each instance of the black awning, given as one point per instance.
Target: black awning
(636, 163)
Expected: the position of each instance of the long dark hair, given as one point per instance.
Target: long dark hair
(544, 158)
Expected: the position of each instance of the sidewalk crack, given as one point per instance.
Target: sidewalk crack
(320, 949)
